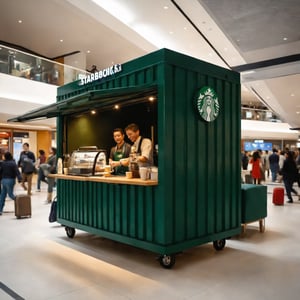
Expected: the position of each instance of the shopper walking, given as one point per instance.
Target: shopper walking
(1, 159)
(49, 168)
(267, 163)
(41, 160)
(289, 174)
(256, 172)
(274, 164)
(298, 165)
(281, 161)
(8, 172)
(245, 160)
(26, 162)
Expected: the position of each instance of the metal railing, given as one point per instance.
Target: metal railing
(256, 114)
(21, 64)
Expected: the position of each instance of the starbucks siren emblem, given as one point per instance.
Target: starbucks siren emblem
(208, 104)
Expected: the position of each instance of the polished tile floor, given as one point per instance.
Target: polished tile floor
(38, 261)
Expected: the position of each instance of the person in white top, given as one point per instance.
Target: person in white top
(281, 162)
(143, 146)
(281, 158)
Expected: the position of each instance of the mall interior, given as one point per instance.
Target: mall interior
(48, 46)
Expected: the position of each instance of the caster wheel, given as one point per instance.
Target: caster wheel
(167, 261)
(70, 232)
(219, 244)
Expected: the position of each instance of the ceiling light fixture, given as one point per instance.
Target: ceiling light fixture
(116, 106)
(285, 38)
(166, 7)
(61, 40)
(20, 21)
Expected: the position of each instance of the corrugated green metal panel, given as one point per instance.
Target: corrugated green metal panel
(127, 210)
(201, 159)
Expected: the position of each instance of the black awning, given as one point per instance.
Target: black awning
(95, 99)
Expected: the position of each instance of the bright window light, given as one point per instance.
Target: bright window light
(115, 8)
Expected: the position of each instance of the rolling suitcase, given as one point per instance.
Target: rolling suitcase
(278, 196)
(23, 206)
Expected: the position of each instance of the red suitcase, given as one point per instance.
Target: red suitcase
(278, 196)
(23, 206)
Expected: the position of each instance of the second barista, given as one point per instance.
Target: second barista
(118, 158)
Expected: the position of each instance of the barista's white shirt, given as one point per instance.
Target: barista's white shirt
(146, 151)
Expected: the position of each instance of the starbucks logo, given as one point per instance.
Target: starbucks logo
(208, 104)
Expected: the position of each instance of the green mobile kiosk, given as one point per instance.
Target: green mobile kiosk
(191, 110)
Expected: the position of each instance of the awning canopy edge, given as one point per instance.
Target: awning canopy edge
(93, 99)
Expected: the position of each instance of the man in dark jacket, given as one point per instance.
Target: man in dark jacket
(26, 162)
(289, 174)
(8, 172)
(274, 164)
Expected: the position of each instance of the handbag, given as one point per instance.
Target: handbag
(53, 209)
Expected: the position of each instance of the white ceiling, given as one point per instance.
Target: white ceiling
(228, 33)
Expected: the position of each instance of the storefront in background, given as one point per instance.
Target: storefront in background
(12, 140)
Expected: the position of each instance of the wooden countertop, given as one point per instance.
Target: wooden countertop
(108, 179)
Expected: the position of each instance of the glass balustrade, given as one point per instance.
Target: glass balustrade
(256, 114)
(21, 64)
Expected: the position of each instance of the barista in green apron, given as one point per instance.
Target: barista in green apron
(119, 153)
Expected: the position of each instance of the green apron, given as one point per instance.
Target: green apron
(119, 170)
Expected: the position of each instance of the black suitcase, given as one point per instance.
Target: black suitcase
(23, 206)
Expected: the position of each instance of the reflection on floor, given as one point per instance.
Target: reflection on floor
(38, 261)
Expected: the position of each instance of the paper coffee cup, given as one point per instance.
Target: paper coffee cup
(107, 169)
(128, 175)
(143, 173)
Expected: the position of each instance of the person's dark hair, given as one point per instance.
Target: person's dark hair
(41, 152)
(53, 150)
(290, 155)
(274, 150)
(256, 155)
(26, 144)
(119, 130)
(134, 127)
(8, 156)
